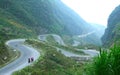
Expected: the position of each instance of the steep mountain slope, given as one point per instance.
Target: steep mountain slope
(28, 18)
(87, 39)
(112, 33)
(42, 16)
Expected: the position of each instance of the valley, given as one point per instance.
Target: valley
(27, 52)
(39, 37)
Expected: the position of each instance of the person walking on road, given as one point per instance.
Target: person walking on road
(32, 59)
(28, 60)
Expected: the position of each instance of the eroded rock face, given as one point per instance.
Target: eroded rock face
(112, 32)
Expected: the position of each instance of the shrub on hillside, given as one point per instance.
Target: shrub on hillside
(107, 63)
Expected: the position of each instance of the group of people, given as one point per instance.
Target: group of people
(30, 60)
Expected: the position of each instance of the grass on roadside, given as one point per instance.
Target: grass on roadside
(51, 41)
(8, 57)
(51, 62)
(107, 63)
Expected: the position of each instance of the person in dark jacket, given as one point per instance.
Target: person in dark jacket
(32, 59)
(28, 60)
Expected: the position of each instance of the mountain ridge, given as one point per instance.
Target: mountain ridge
(48, 16)
(112, 31)
(29, 18)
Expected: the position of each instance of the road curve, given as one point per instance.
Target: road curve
(22, 61)
(56, 37)
(90, 52)
(87, 34)
(76, 43)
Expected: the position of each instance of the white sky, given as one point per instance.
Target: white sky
(93, 11)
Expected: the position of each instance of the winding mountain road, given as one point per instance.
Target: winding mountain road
(27, 52)
(76, 43)
(91, 53)
(57, 38)
(22, 61)
(85, 35)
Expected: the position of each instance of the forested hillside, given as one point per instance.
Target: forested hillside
(112, 33)
(41, 16)
(29, 18)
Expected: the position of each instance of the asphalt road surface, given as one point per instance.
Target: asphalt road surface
(22, 61)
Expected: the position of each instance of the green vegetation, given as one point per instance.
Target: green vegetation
(51, 62)
(29, 18)
(88, 46)
(68, 39)
(107, 63)
(91, 38)
(6, 54)
(8, 32)
(71, 49)
(41, 17)
(112, 33)
(51, 41)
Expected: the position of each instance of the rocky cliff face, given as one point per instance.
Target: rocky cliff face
(112, 32)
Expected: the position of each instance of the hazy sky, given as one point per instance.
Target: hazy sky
(93, 11)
